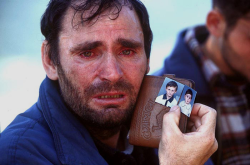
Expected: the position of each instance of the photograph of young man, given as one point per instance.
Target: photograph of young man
(168, 99)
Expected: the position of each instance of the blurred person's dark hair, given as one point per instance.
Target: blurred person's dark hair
(51, 22)
(233, 10)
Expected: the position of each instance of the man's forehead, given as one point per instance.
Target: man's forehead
(126, 26)
(105, 30)
(74, 19)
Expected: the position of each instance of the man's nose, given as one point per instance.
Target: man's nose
(110, 68)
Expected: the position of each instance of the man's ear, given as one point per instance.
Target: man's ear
(148, 67)
(48, 65)
(216, 23)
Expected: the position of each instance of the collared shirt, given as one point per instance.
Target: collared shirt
(167, 100)
(232, 103)
(185, 108)
(162, 99)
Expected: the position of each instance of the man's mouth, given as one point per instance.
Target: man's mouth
(110, 96)
(107, 99)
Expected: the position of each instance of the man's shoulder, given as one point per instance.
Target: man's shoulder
(26, 139)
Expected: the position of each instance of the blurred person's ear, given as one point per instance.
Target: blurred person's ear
(48, 65)
(215, 23)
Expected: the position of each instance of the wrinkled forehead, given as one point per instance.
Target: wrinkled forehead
(127, 20)
(82, 14)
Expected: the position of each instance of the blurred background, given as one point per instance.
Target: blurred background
(21, 70)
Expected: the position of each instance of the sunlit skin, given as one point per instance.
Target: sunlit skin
(188, 98)
(170, 91)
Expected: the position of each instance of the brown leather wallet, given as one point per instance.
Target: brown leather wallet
(146, 125)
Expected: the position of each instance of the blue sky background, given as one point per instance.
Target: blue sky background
(21, 70)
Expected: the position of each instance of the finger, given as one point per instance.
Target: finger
(191, 128)
(171, 120)
(215, 146)
(194, 122)
(207, 117)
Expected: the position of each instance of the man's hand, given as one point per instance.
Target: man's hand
(194, 147)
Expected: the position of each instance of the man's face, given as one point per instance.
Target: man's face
(170, 91)
(188, 98)
(235, 48)
(102, 67)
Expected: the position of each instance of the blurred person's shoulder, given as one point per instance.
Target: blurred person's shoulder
(182, 63)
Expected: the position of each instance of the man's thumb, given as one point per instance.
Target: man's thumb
(172, 118)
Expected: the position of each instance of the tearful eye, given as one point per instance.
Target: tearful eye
(86, 54)
(126, 52)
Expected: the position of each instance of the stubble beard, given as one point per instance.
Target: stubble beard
(227, 54)
(101, 123)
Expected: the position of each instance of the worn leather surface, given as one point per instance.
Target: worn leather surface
(146, 123)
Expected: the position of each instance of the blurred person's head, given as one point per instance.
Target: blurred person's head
(228, 45)
(232, 10)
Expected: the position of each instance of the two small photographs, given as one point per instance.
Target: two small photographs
(174, 93)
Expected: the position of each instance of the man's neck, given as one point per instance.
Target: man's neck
(111, 141)
(110, 138)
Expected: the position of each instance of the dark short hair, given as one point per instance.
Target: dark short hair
(51, 22)
(189, 91)
(172, 84)
(232, 10)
